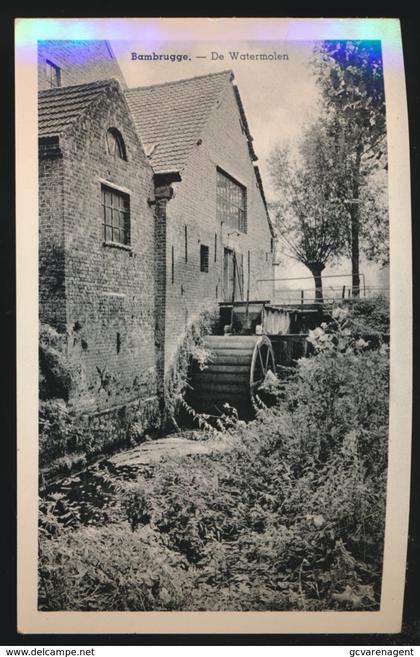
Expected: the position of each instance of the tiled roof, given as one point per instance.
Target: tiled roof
(59, 108)
(169, 117)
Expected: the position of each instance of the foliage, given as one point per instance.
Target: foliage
(190, 347)
(57, 374)
(343, 391)
(310, 216)
(99, 569)
(331, 199)
(68, 440)
(291, 516)
(136, 505)
(374, 218)
(62, 437)
(369, 316)
(350, 77)
(59, 433)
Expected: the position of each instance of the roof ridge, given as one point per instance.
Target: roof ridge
(51, 108)
(97, 84)
(187, 132)
(195, 77)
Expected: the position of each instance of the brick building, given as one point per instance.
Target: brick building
(151, 209)
(218, 234)
(65, 63)
(97, 242)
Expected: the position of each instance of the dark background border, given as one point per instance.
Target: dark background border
(410, 634)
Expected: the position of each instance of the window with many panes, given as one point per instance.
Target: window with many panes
(53, 74)
(116, 215)
(231, 202)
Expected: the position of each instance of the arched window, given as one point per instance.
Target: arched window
(115, 144)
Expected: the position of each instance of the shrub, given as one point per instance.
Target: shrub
(190, 347)
(108, 568)
(135, 503)
(57, 374)
(343, 388)
(291, 517)
(68, 439)
(59, 432)
(369, 315)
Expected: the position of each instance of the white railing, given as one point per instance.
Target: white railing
(272, 289)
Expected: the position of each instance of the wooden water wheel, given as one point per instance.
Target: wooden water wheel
(236, 368)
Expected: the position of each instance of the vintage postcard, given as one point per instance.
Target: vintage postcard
(214, 325)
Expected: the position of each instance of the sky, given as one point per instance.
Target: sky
(279, 97)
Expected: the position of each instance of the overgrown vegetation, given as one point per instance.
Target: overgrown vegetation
(368, 316)
(291, 517)
(59, 436)
(57, 373)
(67, 441)
(191, 347)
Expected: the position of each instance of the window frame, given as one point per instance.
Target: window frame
(227, 205)
(122, 209)
(204, 258)
(120, 151)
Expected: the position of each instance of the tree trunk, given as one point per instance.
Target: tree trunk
(316, 271)
(354, 214)
(355, 225)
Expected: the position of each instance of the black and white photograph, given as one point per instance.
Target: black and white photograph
(214, 284)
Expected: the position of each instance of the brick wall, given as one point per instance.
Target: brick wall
(108, 299)
(160, 285)
(109, 291)
(52, 308)
(79, 62)
(223, 145)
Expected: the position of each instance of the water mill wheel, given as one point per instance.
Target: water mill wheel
(236, 368)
